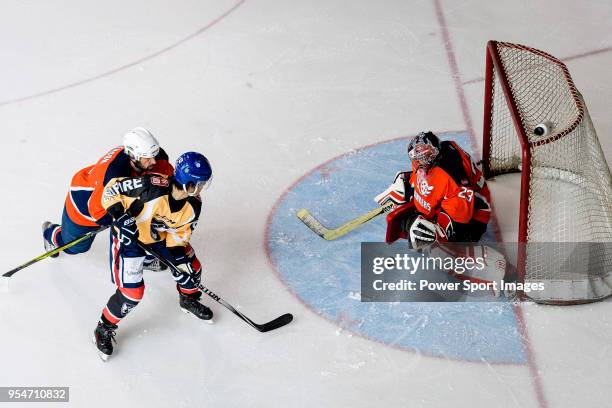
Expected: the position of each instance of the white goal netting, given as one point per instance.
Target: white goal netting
(566, 188)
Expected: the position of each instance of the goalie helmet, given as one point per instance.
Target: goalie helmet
(140, 143)
(424, 149)
(193, 173)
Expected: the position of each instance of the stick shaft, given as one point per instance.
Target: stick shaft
(271, 325)
(53, 252)
(331, 234)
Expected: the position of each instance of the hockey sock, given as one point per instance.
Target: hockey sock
(53, 234)
(118, 307)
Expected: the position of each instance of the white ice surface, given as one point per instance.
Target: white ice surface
(269, 92)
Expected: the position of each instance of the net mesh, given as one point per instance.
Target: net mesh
(569, 213)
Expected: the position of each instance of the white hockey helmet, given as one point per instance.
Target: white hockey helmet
(140, 142)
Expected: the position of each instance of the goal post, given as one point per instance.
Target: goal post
(536, 123)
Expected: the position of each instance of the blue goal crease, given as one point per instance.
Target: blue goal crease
(326, 274)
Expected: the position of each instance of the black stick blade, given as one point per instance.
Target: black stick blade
(276, 323)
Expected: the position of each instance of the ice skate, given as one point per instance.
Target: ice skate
(49, 246)
(104, 336)
(190, 304)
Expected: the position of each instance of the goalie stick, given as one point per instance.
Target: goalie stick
(331, 234)
(271, 325)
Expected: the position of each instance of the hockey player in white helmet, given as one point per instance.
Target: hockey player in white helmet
(83, 212)
(142, 148)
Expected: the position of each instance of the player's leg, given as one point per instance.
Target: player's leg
(187, 281)
(470, 232)
(151, 263)
(126, 264)
(56, 235)
(189, 302)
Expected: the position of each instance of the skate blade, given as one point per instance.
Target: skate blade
(103, 357)
(209, 321)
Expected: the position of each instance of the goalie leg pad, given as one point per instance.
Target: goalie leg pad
(495, 267)
(470, 232)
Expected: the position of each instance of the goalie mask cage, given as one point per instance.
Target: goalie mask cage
(565, 219)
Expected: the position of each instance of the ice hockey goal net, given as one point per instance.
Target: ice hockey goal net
(565, 221)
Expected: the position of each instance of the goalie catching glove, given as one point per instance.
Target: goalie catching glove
(423, 232)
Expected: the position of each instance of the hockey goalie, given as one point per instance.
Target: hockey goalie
(443, 198)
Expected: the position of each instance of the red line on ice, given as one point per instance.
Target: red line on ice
(531, 362)
(128, 65)
(452, 61)
(570, 58)
(518, 311)
(279, 275)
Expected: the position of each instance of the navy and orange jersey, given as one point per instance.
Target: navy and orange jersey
(84, 199)
(454, 184)
(159, 216)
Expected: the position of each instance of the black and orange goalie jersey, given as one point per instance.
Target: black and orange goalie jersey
(159, 216)
(454, 184)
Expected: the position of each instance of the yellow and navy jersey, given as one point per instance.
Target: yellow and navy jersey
(159, 217)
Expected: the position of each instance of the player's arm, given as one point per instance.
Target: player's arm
(120, 200)
(162, 164)
(180, 235)
(458, 204)
(400, 192)
(117, 168)
(472, 170)
(180, 250)
(455, 213)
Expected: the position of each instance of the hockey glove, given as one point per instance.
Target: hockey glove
(190, 268)
(446, 227)
(127, 229)
(156, 228)
(399, 192)
(422, 232)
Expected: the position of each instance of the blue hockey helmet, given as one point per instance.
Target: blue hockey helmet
(193, 172)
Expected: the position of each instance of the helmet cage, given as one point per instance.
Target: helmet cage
(422, 149)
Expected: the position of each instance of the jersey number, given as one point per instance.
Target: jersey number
(466, 193)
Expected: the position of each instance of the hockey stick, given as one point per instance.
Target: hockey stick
(331, 234)
(271, 325)
(53, 252)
